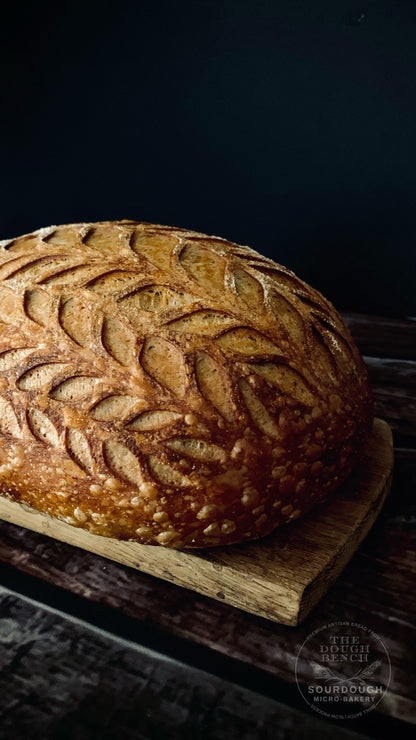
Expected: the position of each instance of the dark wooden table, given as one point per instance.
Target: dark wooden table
(90, 648)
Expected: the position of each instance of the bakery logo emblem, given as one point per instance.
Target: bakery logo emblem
(343, 670)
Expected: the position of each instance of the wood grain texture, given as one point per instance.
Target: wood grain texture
(375, 589)
(388, 346)
(281, 577)
(380, 336)
(62, 680)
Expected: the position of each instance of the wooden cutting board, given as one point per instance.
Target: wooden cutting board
(282, 576)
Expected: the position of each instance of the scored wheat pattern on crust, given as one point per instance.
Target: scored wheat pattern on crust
(144, 353)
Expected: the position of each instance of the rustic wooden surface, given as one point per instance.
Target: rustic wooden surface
(389, 350)
(281, 577)
(376, 589)
(118, 690)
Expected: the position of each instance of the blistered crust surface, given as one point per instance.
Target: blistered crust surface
(169, 387)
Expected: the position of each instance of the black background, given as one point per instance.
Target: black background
(286, 125)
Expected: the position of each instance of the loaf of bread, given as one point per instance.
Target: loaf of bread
(168, 387)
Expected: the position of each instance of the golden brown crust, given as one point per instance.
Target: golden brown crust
(169, 387)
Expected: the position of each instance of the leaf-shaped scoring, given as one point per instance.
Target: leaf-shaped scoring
(157, 248)
(103, 237)
(73, 276)
(10, 266)
(338, 345)
(246, 341)
(258, 411)
(118, 340)
(113, 282)
(75, 319)
(42, 428)
(67, 236)
(10, 305)
(40, 376)
(157, 298)
(278, 275)
(37, 306)
(248, 288)
(206, 323)
(322, 354)
(113, 408)
(197, 449)
(14, 357)
(8, 419)
(123, 462)
(165, 363)
(288, 317)
(39, 268)
(287, 380)
(79, 449)
(204, 266)
(150, 420)
(166, 474)
(75, 389)
(214, 384)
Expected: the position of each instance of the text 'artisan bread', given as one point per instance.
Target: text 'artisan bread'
(169, 387)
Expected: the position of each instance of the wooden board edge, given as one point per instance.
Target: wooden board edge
(181, 568)
(303, 597)
(315, 590)
(282, 603)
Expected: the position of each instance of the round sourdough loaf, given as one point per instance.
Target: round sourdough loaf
(168, 387)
